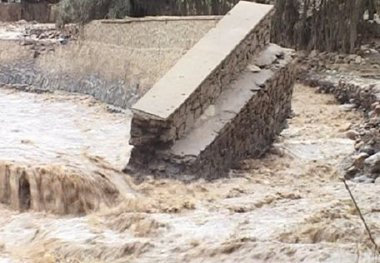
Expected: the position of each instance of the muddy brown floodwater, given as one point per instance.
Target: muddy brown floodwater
(287, 207)
(57, 147)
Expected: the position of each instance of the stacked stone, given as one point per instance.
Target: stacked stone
(364, 164)
(28, 76)
(249, 114)
(362, 93)
(148, 130)
(234, 112)
(251, 132)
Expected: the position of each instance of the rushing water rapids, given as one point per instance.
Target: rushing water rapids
(287, 207)
(58, 149)
(67, 128)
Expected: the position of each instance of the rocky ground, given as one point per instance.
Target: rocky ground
(355, 82)
(29, 31)
(290, 206)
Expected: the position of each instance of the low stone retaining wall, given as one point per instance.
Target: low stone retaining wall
(175, 102)
(362, 92)
(28, 76)
(150, 32)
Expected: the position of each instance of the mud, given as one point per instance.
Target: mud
(287, 207)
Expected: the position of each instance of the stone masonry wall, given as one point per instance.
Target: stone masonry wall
(248, 132)
(149, 129)
(157, 33)
(28, 76)
(357, 93)
(347, 89)
(252, 131)
(208, 113)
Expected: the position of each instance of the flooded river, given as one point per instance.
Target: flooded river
(60, 129)
(287, 207)
(64, 152)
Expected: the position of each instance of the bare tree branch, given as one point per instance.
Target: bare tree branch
(361, 216)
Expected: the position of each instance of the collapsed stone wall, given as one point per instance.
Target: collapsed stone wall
(208, 82)
(173, 131)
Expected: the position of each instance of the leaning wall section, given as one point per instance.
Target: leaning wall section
(208, 113)
(177, 100)
(241, 124)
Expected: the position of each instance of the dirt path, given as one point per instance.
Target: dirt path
(288, 207)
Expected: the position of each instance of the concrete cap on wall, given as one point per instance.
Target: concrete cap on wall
(175, 87)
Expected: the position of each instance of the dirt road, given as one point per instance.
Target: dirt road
(288, 207)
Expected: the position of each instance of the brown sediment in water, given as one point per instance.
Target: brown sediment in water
(61, 153)
(55, 189)
(289, 206)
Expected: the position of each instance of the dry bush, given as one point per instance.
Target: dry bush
(328, 25)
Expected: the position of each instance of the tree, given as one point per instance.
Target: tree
(83, 11)
(328, 25)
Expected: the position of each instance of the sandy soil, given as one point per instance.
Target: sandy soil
(288, 207)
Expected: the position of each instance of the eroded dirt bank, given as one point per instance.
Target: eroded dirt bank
(288, 207)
